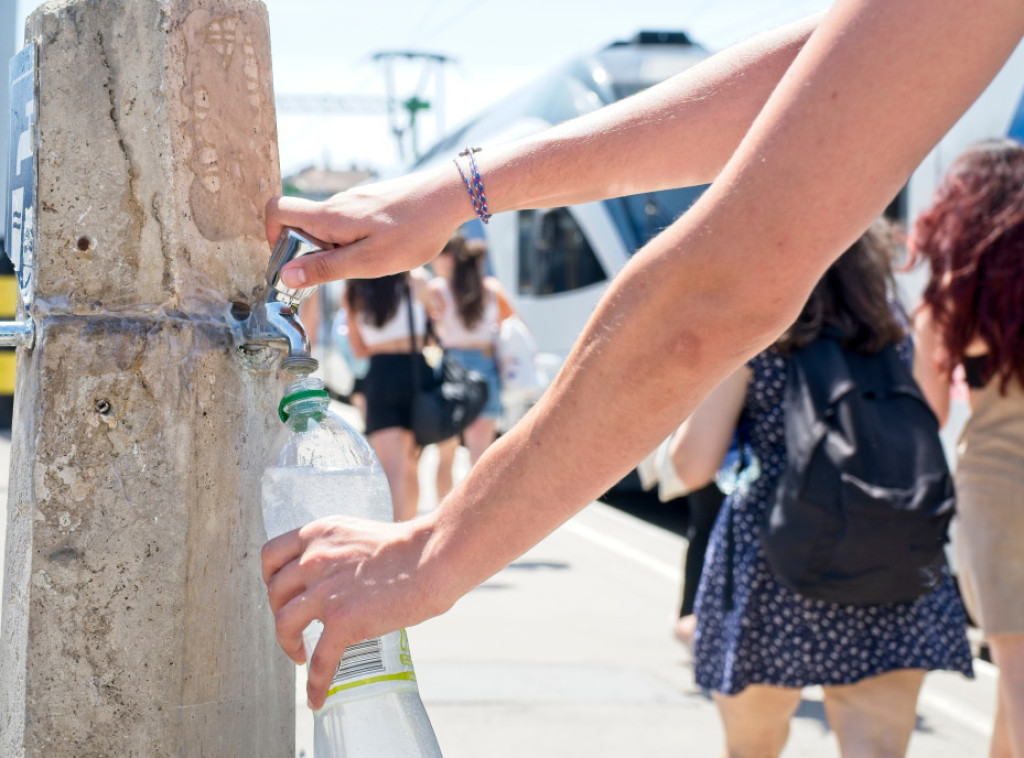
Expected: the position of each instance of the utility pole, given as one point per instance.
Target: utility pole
(402, 112)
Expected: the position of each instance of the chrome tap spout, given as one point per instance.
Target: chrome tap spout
(290, 245)
(282, 319)
(275, 322)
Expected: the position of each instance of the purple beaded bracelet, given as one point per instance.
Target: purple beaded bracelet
(475, 188)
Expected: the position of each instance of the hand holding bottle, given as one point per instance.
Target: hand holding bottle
(361, 578)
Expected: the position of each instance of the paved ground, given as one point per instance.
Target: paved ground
(568, 652)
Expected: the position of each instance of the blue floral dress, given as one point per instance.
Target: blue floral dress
(767, 634)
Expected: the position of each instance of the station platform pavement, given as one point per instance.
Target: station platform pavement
(568, 652)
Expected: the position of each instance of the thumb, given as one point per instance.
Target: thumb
(284, 211)
(354, 261)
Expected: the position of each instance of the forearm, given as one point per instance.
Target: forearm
(834, 144)
(623, 388)
(678, 133)
(930, 360)
(701, 443)
(675, 134)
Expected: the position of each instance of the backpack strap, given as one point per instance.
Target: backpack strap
(824, 357)
(413, 351)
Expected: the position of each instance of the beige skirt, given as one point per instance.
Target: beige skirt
(988, 529)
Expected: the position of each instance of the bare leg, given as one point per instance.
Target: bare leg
(479, 435)
(411, 502)
(875, 717)
(684, 629)
(446, 452)
(1008, 655)
(756, 721)
(358, 400)
(1000, 747)
(398, 454)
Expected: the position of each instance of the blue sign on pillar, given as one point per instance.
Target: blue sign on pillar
(21, 171)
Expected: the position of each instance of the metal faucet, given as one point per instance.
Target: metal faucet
(274, 322)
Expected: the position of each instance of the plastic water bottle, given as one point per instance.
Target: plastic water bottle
(741, 468)
(323, 467)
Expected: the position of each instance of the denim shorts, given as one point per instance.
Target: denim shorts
(477, 360)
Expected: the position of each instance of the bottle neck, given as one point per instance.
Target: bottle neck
(303, 399)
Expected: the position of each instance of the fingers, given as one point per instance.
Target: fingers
(355, 260)
(288, 211)
(288, 582)
(279, 552)
(289, 623)
(324, 663)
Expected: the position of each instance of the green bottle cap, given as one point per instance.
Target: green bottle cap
(295, 397)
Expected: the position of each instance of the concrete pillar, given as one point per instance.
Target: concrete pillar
(134, 616)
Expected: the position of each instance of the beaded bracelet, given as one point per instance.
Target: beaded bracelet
(476, 187)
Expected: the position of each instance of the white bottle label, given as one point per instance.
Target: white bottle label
(373, 667)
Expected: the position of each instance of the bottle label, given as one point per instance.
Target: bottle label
(373, 667)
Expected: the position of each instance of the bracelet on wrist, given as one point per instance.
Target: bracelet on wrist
(474, 182)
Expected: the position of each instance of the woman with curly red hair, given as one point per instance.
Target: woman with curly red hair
(972, 316)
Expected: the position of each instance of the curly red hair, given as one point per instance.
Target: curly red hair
(973, 239)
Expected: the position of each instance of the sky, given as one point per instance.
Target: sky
(326, 47)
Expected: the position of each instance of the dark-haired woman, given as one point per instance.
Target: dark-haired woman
(378, 329)
(972, 316)
(757, 643)
(467, 308)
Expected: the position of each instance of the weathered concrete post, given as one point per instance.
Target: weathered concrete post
(134, 618)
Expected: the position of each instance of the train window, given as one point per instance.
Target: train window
(554, 254)
(639, 218)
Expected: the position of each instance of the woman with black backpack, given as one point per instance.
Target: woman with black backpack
(758, 642)
(972, 319)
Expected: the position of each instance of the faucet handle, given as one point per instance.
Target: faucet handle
(290, 245)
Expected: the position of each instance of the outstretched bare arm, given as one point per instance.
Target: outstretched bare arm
(855, 113)
(675, 134)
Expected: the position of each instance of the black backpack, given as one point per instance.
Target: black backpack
(865, 500)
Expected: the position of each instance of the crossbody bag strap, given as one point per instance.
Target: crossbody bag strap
(413, 363)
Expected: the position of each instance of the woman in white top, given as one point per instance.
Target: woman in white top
(378, 329)
(467, 308)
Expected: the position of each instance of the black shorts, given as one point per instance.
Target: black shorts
(388, 387)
